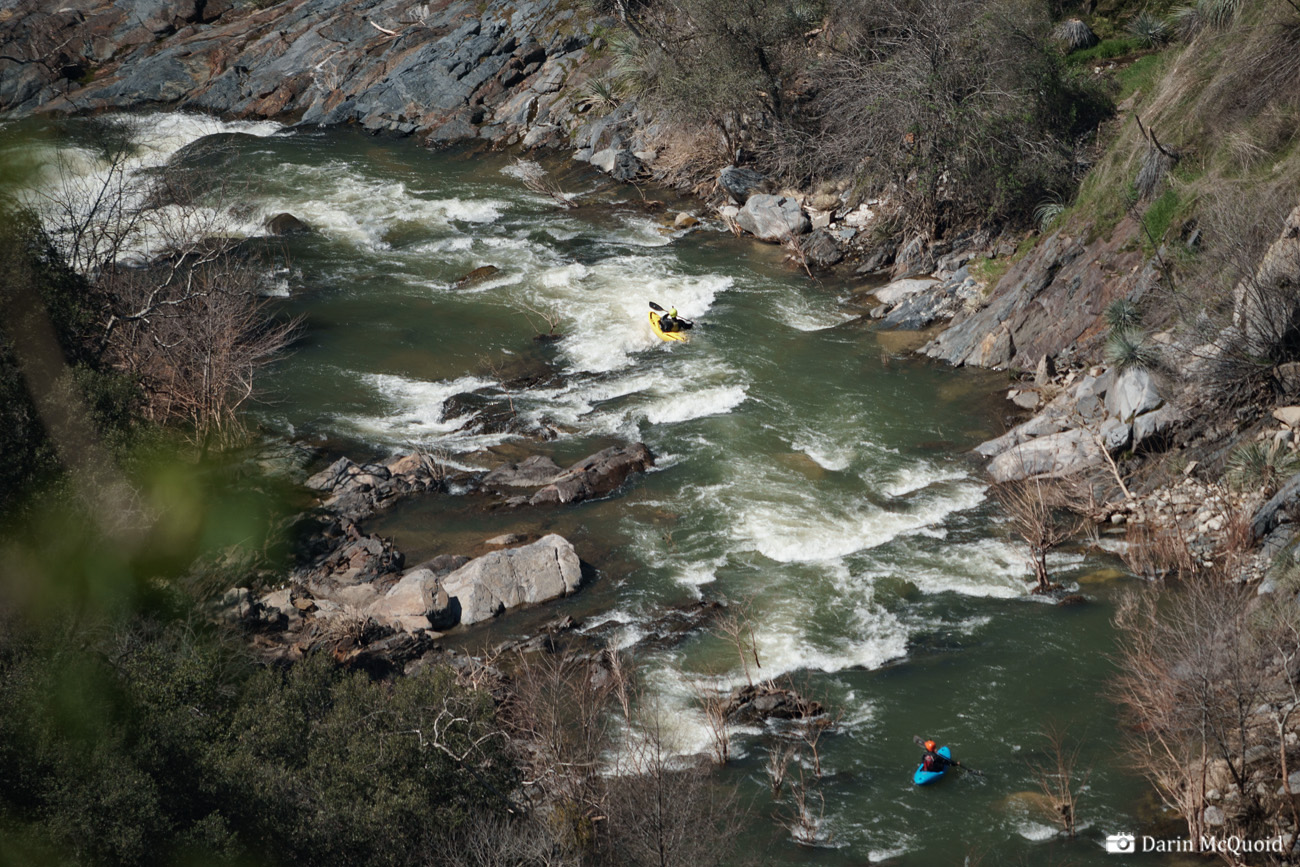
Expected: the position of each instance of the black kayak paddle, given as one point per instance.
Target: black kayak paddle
(956, 764)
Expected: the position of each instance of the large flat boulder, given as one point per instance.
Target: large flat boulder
(901, 290)
(1054, 455)
(417, 601)
(773, 218)
(486, 586)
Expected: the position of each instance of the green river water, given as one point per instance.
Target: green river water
(805, 465)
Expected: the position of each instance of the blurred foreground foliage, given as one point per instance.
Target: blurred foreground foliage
(153, 739)
(134, 727)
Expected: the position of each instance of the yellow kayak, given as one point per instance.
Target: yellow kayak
(680, 336)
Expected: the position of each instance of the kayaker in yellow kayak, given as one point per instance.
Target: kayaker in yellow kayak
(667, 324)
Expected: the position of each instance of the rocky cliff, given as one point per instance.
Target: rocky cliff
(444, 70)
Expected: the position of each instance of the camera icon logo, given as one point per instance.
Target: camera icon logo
(1121, 844)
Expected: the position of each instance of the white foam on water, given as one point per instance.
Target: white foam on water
(785, 650)
(808, 314)
(987, 567)
(916, 477)
(1036, 831)
(645, 233)
(77, 177)
(828, 452)
(416, 411)
(343, 203)
(805, 525)
(680, 407)
(697, 573)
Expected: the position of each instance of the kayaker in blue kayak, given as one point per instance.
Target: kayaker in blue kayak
(932, 762)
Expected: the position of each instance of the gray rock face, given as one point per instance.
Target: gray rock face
(1133, 393)
(596, 475)
(772, 218)
(483, 588)
(1039, 304)
(1275, 510)
(740, 183)
(1054, 455)
(532, 472)
(417, 601)
(442, 69)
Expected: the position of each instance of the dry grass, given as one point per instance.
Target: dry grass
(689, 157)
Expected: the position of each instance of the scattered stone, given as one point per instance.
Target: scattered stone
(685, 221)
(1288, 415)
(1027, 399)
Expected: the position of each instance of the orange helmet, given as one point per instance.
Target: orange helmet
(929, 745)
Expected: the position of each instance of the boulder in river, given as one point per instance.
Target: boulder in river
(486, 586)
(532, 472)
(416, 602)
(478, 275)
(757, 703)
(285, 224)
(595, 475)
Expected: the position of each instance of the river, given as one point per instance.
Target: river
(807, 469)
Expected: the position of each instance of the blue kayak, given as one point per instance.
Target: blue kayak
(924, 777)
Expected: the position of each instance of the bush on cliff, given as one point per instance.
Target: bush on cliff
(964, 107)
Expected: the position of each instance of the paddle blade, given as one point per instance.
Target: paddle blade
(654, 306)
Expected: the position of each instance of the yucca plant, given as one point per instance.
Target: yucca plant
(633, 67)
(1047, 212)
(1074, 35)
(1187, 21)
(601, 95)
(1260, 465)
(1129, 349)
(1123, 315)
(1150, 30)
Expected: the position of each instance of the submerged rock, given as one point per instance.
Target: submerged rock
(287, 224)
(478, 275)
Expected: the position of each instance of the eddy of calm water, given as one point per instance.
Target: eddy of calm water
(801, 470)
